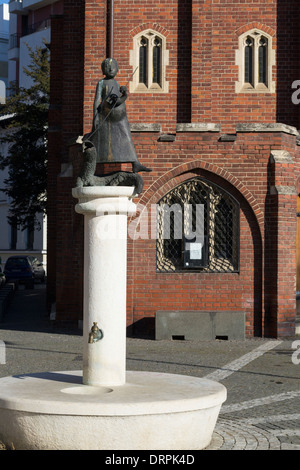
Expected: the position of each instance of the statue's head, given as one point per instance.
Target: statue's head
(110, 68)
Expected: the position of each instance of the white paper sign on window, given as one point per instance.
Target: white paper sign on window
(195, 250)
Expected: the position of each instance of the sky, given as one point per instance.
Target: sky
(3, 1)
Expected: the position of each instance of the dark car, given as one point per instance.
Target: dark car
(2, 277)
(25, 269)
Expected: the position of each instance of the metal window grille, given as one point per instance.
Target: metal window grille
(218, 250)
(14, 40)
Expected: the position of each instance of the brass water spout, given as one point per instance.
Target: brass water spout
(95, 334)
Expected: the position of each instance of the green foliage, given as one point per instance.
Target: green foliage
(26, 136)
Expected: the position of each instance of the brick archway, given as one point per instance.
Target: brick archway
(142, 255)
(181, 173)
(255, 25)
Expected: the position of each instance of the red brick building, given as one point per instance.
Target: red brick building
(211, 112)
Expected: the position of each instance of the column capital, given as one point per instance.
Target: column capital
(95, 200)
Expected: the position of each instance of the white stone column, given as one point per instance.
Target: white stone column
(105, 211)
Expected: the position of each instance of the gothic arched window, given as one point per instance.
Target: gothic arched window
(198, 229)
(149, 58)
(249, 46)
(255, 58)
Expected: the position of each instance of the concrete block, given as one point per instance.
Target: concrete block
(199, 325)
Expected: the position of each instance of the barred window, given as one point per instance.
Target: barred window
(197, 229)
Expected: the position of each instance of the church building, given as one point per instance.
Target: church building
(213, 106)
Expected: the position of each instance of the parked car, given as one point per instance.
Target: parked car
(25, 269)
(2, 277)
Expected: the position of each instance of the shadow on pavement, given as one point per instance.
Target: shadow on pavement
(27, 312)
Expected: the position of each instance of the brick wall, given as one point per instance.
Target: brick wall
(65, 123)
(202, 39)
(267, 232)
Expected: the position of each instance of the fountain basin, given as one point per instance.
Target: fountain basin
(152, 411)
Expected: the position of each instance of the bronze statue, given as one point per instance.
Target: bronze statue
(110, 139)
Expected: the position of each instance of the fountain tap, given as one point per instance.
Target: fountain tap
(95, 334)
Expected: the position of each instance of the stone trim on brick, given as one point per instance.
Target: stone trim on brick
(198, 127)
(283, 190)
(134, 85)
(144, 127)
(255, 87)
(281, 156)
(262, 127)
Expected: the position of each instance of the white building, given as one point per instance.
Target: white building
(4, 32)
(13, 240)
(29, 24)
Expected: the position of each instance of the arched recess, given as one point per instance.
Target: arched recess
(176, 175)
(251, 212)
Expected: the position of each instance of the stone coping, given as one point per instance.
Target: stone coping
(214, 127)
(281, 156)
(198, 127)
(145, 127)
(268, 127)
(283, 190)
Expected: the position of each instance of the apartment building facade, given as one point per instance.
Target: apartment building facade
(4, 30)
(29, 26)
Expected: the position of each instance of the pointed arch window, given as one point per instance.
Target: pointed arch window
(156, 59)
(249, 46)
(143, 61)
(150, 57)
(255, 58)
(262, 60)
(197, 229)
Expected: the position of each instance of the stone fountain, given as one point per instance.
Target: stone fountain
(104, 406)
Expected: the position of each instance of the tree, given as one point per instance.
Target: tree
(26, 136)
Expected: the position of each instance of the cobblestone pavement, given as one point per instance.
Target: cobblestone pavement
(268, 432)
(262, 411)
(262, 376)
